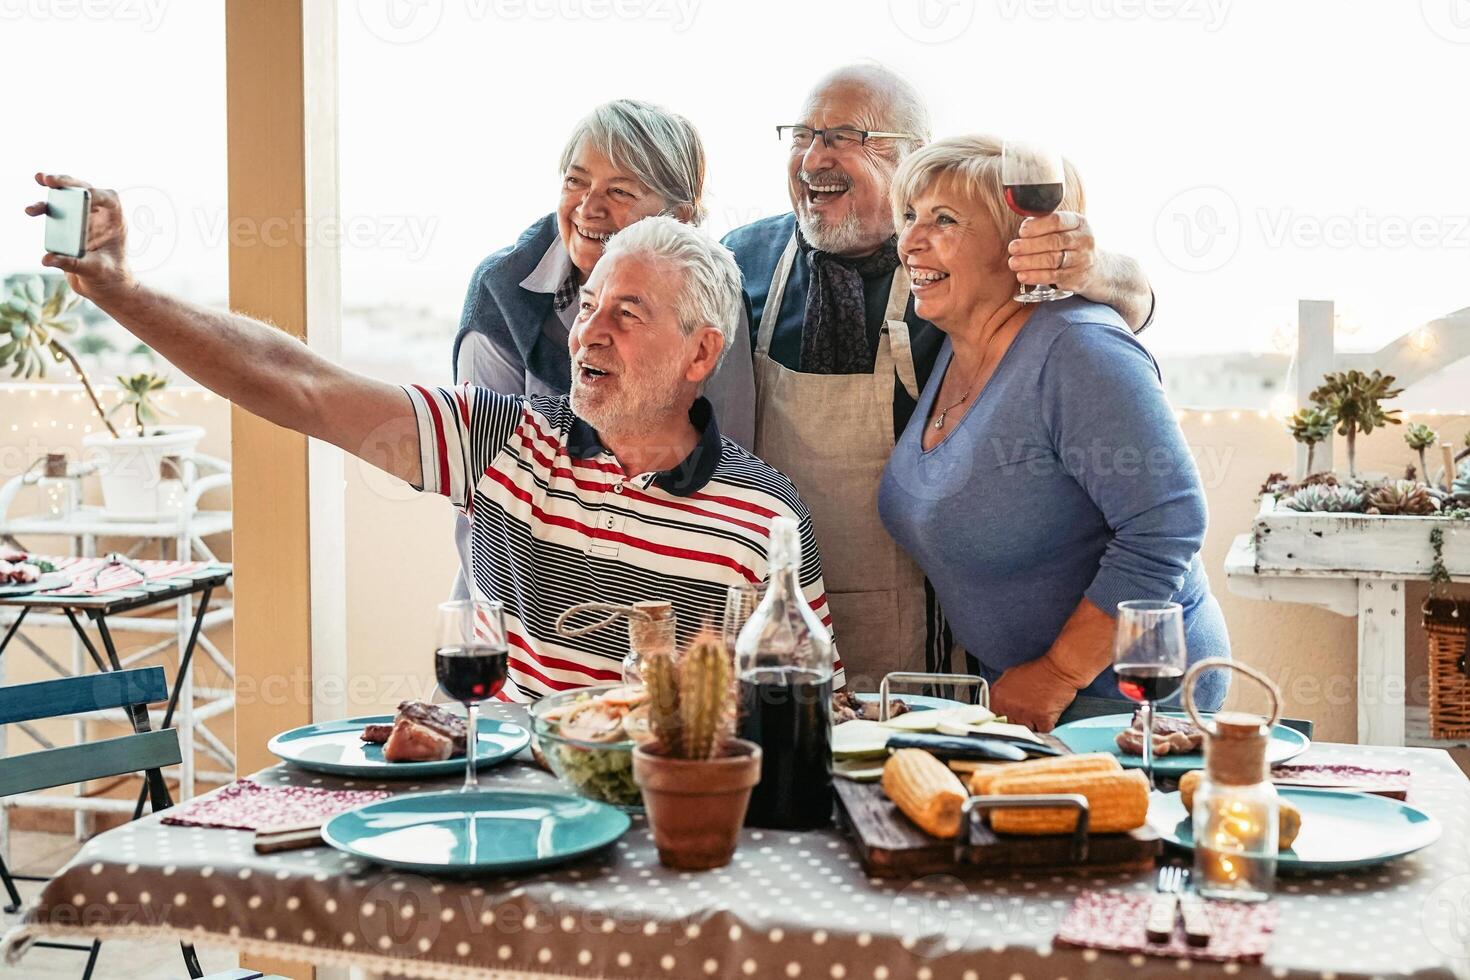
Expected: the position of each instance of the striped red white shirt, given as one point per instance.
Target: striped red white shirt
(555, 521)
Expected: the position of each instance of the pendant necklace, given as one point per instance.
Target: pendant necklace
(939, 422)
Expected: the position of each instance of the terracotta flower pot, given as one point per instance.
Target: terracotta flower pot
(696, 806)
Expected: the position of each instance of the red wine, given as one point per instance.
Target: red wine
(788, 713)
(1148, 682)
(1034, 200)
(471, 673)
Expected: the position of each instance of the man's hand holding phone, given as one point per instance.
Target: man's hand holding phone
(101, 270)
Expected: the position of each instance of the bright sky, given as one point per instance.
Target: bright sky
(1248, 153)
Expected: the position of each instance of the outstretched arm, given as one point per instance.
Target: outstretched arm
(1060, 249)
(261, 369)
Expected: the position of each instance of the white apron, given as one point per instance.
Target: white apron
(832, 435)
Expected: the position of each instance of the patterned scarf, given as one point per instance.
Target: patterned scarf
(834, 336)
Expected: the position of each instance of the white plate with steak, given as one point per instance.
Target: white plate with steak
(1176, 742)
(421, 740)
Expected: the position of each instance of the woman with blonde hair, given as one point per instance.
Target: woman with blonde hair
(1043, 478)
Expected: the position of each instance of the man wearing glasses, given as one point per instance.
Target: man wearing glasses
(840, 357)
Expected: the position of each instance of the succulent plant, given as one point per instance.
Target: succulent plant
(1355, 400)
(138, 392)
(1403, 497)
(691, 698)
(1326, 498)
(1420, 437)
(1310, 426)
(1461, 487)
(32, 327)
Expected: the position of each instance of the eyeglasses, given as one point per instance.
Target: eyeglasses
(839, 138)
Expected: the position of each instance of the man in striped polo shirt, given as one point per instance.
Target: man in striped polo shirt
(624, 492)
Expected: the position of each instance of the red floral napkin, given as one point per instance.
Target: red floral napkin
(1393, 783)
(247, 805)
(1115, 921)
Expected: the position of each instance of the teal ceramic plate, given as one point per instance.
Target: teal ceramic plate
(1099, 734)
(1341, 830)
(917, 702)
(488, 831)
(49, 580)
(336, 747)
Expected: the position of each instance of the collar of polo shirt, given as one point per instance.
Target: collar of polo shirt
(690, 476)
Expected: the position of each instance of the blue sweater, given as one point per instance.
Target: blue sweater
(1068, 477)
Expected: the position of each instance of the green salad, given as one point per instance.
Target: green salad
(593, 745)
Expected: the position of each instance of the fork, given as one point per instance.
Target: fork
(1165, 906)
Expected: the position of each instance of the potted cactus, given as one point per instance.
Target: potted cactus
(1355, 400)
(1310, 426)
(695, 777)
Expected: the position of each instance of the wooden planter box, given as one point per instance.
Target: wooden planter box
(1291, 541)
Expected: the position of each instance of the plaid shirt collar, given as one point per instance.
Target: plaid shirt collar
(556, 275)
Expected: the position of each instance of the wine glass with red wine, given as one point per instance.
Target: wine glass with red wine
(470, 663)
(1034, 182)
(1149, 659)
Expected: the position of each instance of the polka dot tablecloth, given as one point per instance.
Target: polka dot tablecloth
(791, 905)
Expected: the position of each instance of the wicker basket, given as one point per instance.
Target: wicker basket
(1447, 621)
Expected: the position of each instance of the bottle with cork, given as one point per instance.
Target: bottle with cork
(1236, 810)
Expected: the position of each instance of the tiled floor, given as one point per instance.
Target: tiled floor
(39, 854)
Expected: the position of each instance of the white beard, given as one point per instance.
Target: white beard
(839, 239)
(635, 407)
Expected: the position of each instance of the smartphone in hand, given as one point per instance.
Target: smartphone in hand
(66, 220)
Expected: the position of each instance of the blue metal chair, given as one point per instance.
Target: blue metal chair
(143, 751)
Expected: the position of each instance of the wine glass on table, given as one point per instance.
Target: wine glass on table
(1034, 180)
(740, 602)
(1149, 660)
(470, 663)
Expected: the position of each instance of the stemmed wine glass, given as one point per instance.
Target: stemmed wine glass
(1034, 180)
(470, 663)
(1149, 659)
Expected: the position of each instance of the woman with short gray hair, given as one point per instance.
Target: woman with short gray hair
(623, 161)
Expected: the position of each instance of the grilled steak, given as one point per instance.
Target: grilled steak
(1171, 736)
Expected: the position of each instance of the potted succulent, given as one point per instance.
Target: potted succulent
(1310, 426)
(1355, 400)
(1420, 437)
(696, 777)
(134, 467)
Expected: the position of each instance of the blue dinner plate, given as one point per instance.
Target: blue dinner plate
(1341, 830)
(487, 831)
(1099, 735)
(337, 748)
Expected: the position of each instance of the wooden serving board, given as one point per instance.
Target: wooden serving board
(891, 846)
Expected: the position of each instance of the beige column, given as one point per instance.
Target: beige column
(281, 83)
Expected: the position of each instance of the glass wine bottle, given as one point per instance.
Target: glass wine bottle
(783, 659)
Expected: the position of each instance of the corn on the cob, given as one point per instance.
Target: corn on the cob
(925, 790)
(982, 781)
(1116, 802)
